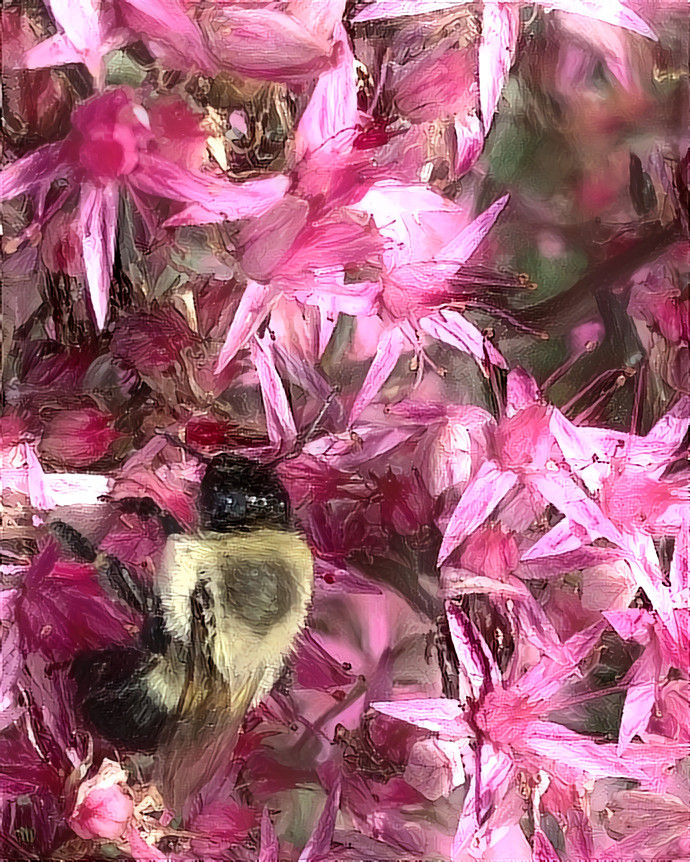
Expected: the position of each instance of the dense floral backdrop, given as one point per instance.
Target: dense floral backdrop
(452, 240)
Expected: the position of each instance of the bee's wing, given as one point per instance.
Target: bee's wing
(209, 714)
(203, 737)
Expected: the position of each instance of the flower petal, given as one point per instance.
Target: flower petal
(270, 846)
(210, 198)
(500, 27)
(279, 420)
(35, 169)
(250, 314)
(480, 498)
(319, 843)
(390, 348)
(330, 121)
(97, 225)
(467, 241)
(401, 8)
(472, 651)
(452, 328)
(434, 713)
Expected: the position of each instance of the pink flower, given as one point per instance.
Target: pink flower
(63, 609)
(77, 437)
(96, 27)
(111, 146)
(103, 809)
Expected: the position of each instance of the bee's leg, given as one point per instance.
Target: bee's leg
(74, 542)
(117, 575)
(145, 508)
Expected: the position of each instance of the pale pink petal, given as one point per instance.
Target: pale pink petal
(495, 772)
(637, 710)
(561, 491)
(55, 51)
(280, 423)
(560, 661)
(653, 452)
(452, 328)
(587, 450)
(265, 43)
(437, 714)
(38, 168)
(211, 198)
(141, 850)
(80, 20)
(165, 21)
(582, 755)
(401, 8)
(631, 624)
(609, 11)
(250, 314)
(679, 574)
(559, 540)
(500, 27)
(270, 846)
(473, 652)
(330, 121)
(521, 392)
(462, 246)
(390, 348)
(321, 839)
(480, 498)
(469, 142)
(98, 208)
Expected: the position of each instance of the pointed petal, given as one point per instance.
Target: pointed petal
(608, 11)
(97, 225)
(437, 714)
(390, 348)
(401, 8)
(55, 51)
(270, 846)
(279, 420)
(559, 540)
(465, 243)
(500, 27)
(679, 574)
(582, 755)
(481, 497)
(637, 710)
(561, 491)
(319, 844)
(473, 652)
(251, 313)
(587, 450)
(211, 198)
(165, 22)
(452, 328)
(38, 168)
(522, 391)
(80, 20)
(330, 121)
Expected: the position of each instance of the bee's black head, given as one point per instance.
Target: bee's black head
(237, 492)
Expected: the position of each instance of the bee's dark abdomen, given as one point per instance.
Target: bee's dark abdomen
(114, 698)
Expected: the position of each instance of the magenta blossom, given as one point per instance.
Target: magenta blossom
(110, 148)
(510, 731)
(94, 28)
(103, 808)
(527, 459)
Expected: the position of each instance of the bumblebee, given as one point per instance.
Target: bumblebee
(227, 605)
